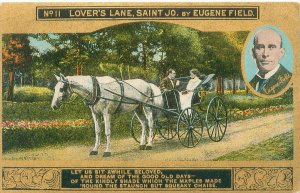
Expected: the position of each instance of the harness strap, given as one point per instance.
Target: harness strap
(96, 94)
(121, 83)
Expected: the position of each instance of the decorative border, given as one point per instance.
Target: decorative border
(263, 178)
(31, 178)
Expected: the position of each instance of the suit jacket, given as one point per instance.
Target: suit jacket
(275, 83)
(166, 84)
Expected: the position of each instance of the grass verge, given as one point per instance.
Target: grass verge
(277, 148)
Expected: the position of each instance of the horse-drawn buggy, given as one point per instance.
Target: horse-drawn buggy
(107, 96)
(187, 123)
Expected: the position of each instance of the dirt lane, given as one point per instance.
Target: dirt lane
(239, 135)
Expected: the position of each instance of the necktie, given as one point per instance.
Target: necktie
(261, 84)
(172, 83)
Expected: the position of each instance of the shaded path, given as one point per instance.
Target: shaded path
(239, 135)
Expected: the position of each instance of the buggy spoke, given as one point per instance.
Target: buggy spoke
(183, 133)
(218, 132)
(192, 138)
(194, 115)
(216, 128)
(191, 134)
(186, 136)
(198, 132)
(188, 117)
(196, 118)
(195, 137)
(221, 130)
(223, 124)
(185, 119)
(184, 123)
(212, 129)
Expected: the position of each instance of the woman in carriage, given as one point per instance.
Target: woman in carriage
(187, 95)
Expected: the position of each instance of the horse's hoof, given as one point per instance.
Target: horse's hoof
(148, 147)
(106, 154)
(94, 153)
(142, 147)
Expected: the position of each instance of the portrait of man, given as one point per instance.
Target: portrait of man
(271, 76)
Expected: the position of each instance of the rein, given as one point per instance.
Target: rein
(69, 102)
(96, 94)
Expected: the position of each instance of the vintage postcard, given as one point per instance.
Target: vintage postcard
(156, 97)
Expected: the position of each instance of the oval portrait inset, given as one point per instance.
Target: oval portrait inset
(268, 62)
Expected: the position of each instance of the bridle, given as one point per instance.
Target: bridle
(64, 89)
(96, 93)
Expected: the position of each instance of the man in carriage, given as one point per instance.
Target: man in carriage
(169, 83)
(168, 86)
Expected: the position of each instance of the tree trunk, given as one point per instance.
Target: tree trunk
(77, 69)
(233, 85)
(222, 85)
(247, 90)
(121, 71)
(11, 84)
(144, 57)
(219, 85)
(128, 71)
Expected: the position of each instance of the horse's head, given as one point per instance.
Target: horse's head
(62, 91)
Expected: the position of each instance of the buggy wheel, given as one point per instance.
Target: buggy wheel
(216, 119)
(136, 128)
(167, 127)
(189, 127)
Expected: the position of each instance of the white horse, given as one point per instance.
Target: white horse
(107, 96)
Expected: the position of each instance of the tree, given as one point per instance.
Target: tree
(182, 49)
(236, 41)
(71, 51)
(16, 54)
(223, 54)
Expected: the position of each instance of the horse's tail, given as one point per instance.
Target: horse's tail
(157, 98)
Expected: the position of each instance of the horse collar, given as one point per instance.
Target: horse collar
(96, 93)
(122, 95)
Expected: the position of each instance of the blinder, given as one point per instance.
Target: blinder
(64, 89)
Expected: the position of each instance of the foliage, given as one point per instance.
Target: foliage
(141, 45)
(32, 94)
(223, 53)
(15, 51)
(30, 138)
(42, 111)
(16, 54)
(243, 102)
(276, 148)
(236, 114)
(32, 134)
(128, 72)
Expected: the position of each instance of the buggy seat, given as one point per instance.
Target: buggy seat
(200, 91)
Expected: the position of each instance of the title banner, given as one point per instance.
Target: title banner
(95, 179)
(201, 13)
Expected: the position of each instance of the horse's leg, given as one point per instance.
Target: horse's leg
(143, 122)
(149, 114)
(97, 133)
(106, 117)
